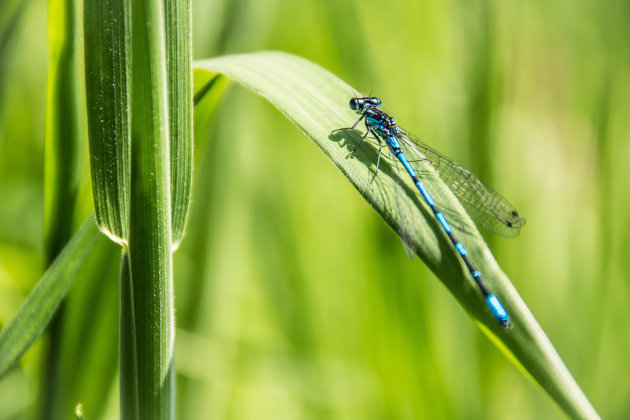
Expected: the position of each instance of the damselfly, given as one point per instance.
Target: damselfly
(487, 207)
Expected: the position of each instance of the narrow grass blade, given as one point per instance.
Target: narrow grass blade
(317, 102)
(209, 89)
(90, 334)
(179, 70)
(107, 71)
(40, 305)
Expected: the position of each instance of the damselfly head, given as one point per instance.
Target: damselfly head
(355, 104)
(359, 104)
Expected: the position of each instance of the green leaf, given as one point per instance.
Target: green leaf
(107, 70)
(179, 71)
(40, 305)
(209, 89)
(316, 101)
(89, 334)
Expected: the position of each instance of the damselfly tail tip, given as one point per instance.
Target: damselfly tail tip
(505, 324)
(498, 311)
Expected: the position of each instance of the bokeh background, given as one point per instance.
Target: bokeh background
(294, 299)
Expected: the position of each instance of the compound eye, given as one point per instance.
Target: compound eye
(375, 101)
(354, 104)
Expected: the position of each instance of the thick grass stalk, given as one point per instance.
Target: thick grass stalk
(150, 238)
(138, 61)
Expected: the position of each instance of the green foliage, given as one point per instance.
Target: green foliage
(107, 69)
(140, 111)
(37, 310)
(177, 23)
(294, 299)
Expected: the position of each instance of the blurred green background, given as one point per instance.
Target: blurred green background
(294, 299)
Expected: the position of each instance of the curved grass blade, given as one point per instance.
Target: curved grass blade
(40, 305)
(316, 101)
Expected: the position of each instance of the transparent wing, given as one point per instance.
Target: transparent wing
(484, 205)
